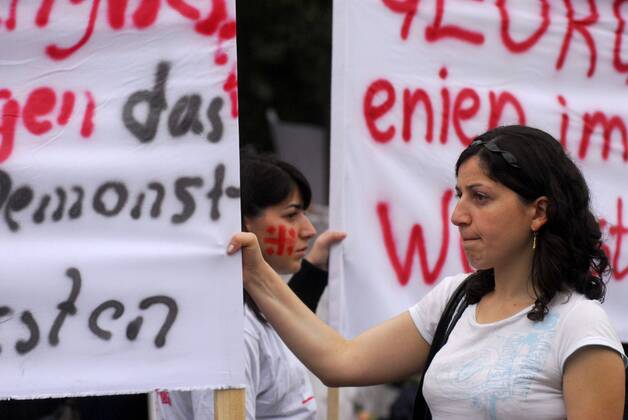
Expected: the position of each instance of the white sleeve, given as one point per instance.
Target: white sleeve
(427, 312)
(586, 324)
(252, 372)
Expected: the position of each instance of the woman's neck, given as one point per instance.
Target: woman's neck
(513, 292)
(513, 281)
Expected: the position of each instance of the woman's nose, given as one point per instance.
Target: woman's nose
(307, 229)
(460, 216)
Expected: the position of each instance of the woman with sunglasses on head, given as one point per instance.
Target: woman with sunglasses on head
(524, 337)
(274, 197)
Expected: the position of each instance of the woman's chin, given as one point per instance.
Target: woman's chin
(288, 268)
(477, 264)
(296, 266)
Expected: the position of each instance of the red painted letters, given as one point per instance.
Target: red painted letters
(609, 126)
(618, 231)
(416, 242)
(618, 63)
(499, 102)
(579, 25)
(522, 46)
(39, 103)
(373, 112)
(410, 101)
(437, 30)
(380, 99)
(462, 112)
(37, 115)
(10, 115)
(408, 8)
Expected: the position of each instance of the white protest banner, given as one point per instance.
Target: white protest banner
(414, 82)
(119, 191)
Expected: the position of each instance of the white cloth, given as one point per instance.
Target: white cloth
(278, 386)
(512, 368)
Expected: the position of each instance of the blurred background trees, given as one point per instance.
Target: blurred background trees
(284, 63)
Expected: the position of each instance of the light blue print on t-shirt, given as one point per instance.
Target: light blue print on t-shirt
(509, 374)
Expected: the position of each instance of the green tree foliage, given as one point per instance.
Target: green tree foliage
(284, 62)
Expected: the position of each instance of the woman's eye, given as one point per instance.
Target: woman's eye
(480, 197)
(291, 216)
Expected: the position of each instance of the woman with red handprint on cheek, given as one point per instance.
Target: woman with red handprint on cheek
(284, 231)
(274, 198)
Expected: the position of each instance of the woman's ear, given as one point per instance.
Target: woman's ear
(540, 213)
(246, 224)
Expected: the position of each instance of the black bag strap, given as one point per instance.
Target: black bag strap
(453, 311)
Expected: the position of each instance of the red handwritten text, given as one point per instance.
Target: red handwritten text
(437, 31)
(416, 242)
(381, 98)
(381, 101)
(37, 115)
(215, 23)
(579, 25)
(594, 121)
(617, 231)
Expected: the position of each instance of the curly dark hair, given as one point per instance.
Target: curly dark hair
(569, 254)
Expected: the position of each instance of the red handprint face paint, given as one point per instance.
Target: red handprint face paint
(282, 242)
(283, 231)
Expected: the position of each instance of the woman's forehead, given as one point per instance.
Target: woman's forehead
(294, 198)
(472, 168)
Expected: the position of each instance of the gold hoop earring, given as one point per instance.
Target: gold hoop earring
(533, 240)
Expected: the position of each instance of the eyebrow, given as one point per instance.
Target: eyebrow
(471, 186)
(295, 206)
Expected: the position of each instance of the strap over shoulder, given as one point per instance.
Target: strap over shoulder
(451, 314)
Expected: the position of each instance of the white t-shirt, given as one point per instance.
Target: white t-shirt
(278, 386)
(512, 368)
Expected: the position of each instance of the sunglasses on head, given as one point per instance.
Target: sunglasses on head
(491, 146)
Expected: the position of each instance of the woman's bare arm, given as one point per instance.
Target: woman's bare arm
(593, 384)
(390, 351)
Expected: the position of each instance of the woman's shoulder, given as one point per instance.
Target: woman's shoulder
(428, 310)
(447, 285)
(571, 304)
(582, 322)
(573, 310)
(441, 292)
(253, 326)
